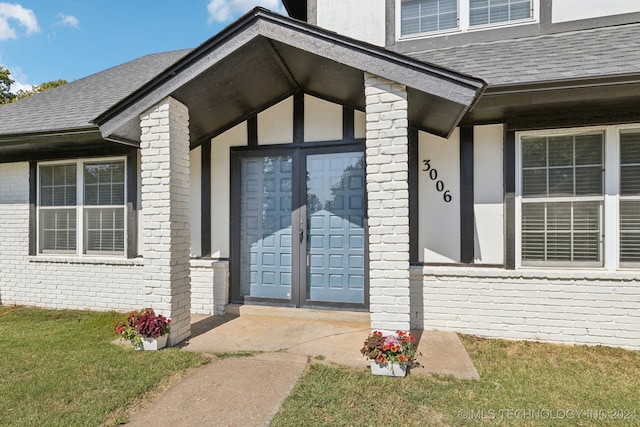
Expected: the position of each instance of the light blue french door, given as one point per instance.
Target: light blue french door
(302, 228)
(265, 226)
(335, 227)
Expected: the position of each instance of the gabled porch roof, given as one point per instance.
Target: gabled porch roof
(264, 58)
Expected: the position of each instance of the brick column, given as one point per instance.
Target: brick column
(165, 208)
(388, 198)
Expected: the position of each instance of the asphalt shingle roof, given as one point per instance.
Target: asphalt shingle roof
(75, 104)
(608, 51)
(590, 53)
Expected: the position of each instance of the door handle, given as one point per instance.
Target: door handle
(301, 235)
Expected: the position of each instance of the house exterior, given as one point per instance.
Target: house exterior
(460, 165)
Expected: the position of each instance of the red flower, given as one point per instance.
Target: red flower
(381, 359)
(402, 358)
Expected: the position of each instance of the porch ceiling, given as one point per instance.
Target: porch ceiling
(264, 58)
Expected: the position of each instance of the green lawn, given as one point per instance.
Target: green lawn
(522, 384)
(60, 368)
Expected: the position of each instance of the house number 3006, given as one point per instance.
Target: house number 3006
(433, 175)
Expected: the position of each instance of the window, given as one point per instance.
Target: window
(482, 12)
(423, 16)
(629, 197)
(562, 199)
(578, 198)
(81, 207)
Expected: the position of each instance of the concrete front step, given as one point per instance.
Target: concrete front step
(299, 313)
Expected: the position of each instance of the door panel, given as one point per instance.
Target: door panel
(265, 227)
(335, 227)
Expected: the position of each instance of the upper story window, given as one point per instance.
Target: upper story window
(424, 16)
(81, 208)
(482, 12)
(419, 17)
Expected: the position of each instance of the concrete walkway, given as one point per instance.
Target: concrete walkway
(248, 391)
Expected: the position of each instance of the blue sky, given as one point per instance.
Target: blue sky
(44, 40)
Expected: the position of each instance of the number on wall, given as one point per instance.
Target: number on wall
(433, 175)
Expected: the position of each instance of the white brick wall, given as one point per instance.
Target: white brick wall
(164, 151)
(388, 203)
(209, 286)
(571, 307)
(56, 282)
(71, 282)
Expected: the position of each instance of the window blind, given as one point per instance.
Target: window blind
(568, 167)
(58, 198)
(104, 201)
(422, 16)
(482, 12)
(630, 197)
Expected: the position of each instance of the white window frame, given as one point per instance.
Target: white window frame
(611, 190)
(80, 209)
(621, 198)
(464, 22)
(428, 33)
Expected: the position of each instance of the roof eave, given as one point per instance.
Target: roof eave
(296, 9)
(440, 84)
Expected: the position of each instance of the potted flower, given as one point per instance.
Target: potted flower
(145, 329)
(390, 355)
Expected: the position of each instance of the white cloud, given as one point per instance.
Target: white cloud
(69, 21)
(14, 12)
(226, 10)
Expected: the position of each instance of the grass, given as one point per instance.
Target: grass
(60, 368)
(522, 383)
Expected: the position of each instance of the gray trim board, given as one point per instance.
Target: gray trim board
(510, 200)
(312, 11)
(33, 212)
(252, 131)
(205, 197)
(390, 23)
(414, 212)
(298, 118)
(132, 204)
(467, 220)
(348, 123)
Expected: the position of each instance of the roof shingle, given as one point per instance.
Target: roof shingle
(75, 104)
(607, 51)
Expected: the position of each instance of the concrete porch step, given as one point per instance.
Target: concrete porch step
(298, 313)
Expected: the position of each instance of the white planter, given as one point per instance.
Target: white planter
(154, 343)
(388, 369)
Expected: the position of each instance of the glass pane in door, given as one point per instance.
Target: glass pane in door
(335, 227)
(265, 227)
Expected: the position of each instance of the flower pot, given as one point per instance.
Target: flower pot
(388, 369)
(154, 343)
